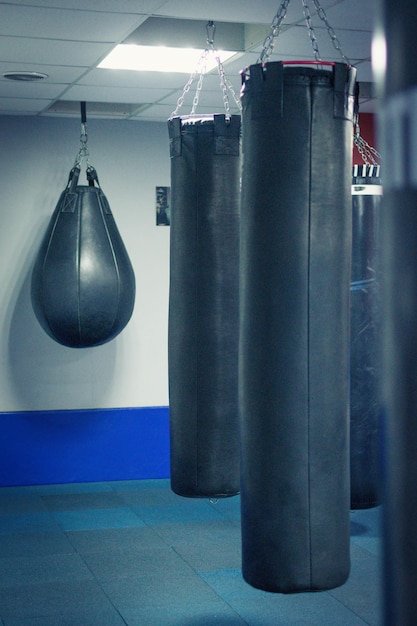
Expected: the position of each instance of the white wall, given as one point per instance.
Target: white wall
(131, 159)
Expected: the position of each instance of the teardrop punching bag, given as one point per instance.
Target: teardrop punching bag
(204, 305)
(83, 285)
(294, 316)
(365, 406)
(397, 127)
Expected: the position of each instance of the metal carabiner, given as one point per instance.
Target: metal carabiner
(211, 31)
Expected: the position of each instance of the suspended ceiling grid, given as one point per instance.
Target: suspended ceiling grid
(67, 39)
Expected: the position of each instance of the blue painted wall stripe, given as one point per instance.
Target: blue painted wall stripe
(46, 447)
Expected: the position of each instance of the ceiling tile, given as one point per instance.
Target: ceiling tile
(21, 105)
(166, 31)
(23, 89)
(296, 42)
(161, 112)
(352, 15)
(246, 11)
(114, 94)
(44, 51)
(114, 6)
(66, 24)
(126, 78)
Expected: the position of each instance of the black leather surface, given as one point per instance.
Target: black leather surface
(294, 338)
(83, 285)
(397, 136)
(365, 357)
(204, 306)
(399, 392)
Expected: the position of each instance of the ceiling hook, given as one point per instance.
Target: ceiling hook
(211, 29)
(83, 110)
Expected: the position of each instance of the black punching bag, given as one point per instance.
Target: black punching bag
(397, 138)
(83, 285)
(204, 305)
(365, 406)
(294, 338)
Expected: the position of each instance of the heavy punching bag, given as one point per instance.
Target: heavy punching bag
(365, 405)
(294, 315)
(83, 285)
(395, 41)
(204, 305)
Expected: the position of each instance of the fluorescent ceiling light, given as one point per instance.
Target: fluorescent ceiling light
(160, 59)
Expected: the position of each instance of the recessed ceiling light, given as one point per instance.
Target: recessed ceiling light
(160, 59)
(25, 76)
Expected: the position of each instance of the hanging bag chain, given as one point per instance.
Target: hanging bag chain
(83, 152)
(187, 87)
(370, 155)
(311, 31)
(269, 41)
(225, 85)
(335, 41)
(276, 27)
(201, 69)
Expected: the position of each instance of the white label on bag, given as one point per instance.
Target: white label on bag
(366, 190)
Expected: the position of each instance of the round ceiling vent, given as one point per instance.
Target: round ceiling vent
(25, 76)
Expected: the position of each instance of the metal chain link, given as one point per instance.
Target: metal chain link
(225, 85)
(365, 150)
(200, 81)
(269, 41)
(335, 41)
(187, 87)
(311, 31)
(201, 68)
(236, 98)
(370, 155)
(83, 152)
